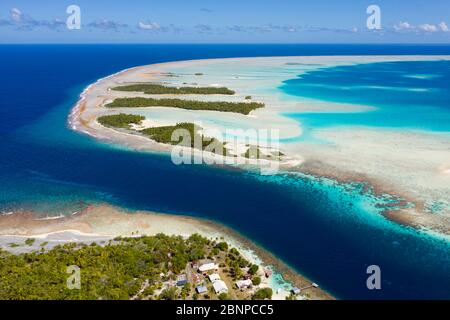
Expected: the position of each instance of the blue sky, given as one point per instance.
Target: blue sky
(231, 21)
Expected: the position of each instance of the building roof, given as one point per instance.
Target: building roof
(181, 277)
(201, 289)
(214, 277)
(208, 267)
(181, 282)
(220, 287)
(243, 283)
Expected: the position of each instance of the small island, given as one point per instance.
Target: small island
(152, 88)
(121, 120)
(192, 137)
(222, 106)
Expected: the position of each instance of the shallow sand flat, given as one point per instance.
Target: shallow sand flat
(103, 223)
(412, 165)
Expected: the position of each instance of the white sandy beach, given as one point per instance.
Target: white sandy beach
(412, 165)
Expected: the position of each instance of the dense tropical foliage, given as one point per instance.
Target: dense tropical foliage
(151, 88)
(262, 294)
(138, 102)
(115, 270)
(189, 136)
(121, 120)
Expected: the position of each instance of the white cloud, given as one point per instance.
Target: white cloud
(15, 14)
(204, 28)
(444, 26)
(107, 25)
(25, 22)
(428, 27)
(157, 28)
(403, 26)
(148, 25)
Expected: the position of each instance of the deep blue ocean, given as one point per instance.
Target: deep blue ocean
(328, 232)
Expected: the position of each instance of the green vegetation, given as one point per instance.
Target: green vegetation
(164, 134)
(168, 294)
(262, 294)
(234, 252)
(236, 262)
(256, 281)
(149, 291)
(116, 270)
(121, 120)
(29, 241)
(124, 268)
(137, 102)
(150, 88)
(224, 296)
(253, 269)
(185, 291)
(222, 246)
(215, 251)
(291, 296)
(189, 137)
(248, 97)
(253, 152)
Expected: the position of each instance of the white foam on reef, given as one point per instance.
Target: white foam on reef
(73, 120)
(61, 216)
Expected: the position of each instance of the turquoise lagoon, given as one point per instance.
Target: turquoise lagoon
(326, 231)
(413, 95)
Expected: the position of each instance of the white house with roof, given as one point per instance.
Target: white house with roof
(241, 284)
(214, 277)
(208, 267)
(201, 289)
(220, 287)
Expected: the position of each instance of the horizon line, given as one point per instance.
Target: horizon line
(230, 43)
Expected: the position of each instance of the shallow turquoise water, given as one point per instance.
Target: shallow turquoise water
(406, 95)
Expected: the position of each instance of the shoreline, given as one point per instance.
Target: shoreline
(104, 222)
(304, 159)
